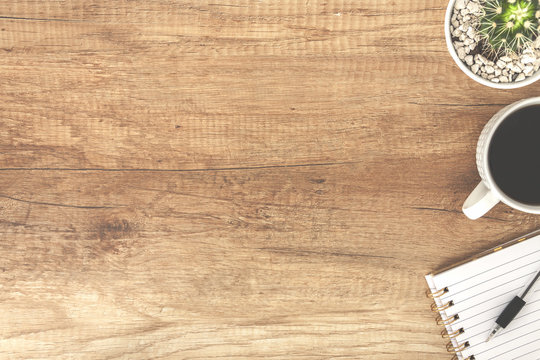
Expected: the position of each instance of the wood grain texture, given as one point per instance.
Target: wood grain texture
(234, 179)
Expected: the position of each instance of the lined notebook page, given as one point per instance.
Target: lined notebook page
(480, 290)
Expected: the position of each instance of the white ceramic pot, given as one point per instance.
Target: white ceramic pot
(466, 70)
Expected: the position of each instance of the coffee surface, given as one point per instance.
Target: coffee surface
(514, 155)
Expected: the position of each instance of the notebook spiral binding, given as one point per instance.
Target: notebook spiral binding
(448, 321)
(469, 358)
(436, 294)
(455, 349)
(435, 307)
(452, 335)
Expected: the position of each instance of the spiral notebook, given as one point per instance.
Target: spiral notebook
(469, 297)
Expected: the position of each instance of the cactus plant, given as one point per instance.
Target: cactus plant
(509, 26)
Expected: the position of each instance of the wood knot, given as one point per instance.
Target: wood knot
(115, 236)
(114, 229)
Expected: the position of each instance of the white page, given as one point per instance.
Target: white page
(480, 290)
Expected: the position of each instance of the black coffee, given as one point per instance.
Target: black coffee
(514, 155)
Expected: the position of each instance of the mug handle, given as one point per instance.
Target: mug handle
(479, 202)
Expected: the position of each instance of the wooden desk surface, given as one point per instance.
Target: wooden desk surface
(235, 180)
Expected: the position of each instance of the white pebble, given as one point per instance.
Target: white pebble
(461, 53)
(460, 4)
(470, 31)
(501, 64)
(482, 59)
(497, 72)
(528, 70)
(503, 79)
(469, 60)
(513, 67)
(495, 80)
(490, 69)
(475, 68)
(520, 77)
(505, 59)
(473, 7)
(527, 59)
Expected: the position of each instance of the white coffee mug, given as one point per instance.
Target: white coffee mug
(487, 194)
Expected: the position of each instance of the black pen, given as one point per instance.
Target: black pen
(512, 309)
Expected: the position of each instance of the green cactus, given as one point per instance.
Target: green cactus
(509, 26)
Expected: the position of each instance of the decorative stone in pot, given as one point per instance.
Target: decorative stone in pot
(495, 42)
